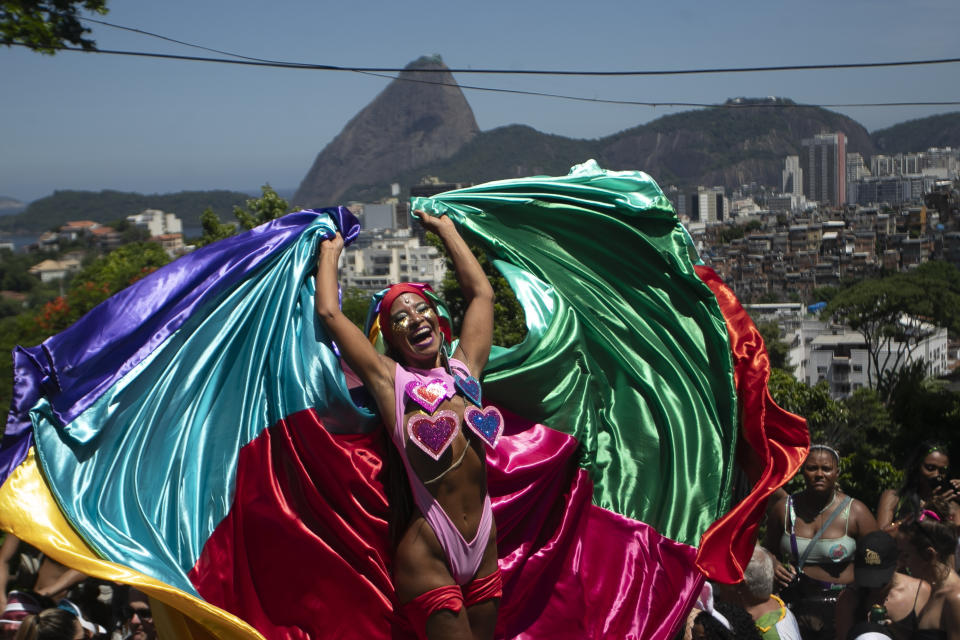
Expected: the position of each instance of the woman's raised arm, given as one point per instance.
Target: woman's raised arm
(476, 333)
(374, 369)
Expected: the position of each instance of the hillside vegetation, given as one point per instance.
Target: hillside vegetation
(728, 147)
(919, 135)
(56, 210)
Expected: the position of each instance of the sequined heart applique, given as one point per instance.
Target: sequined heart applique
(428, 394)
(470, 387)
(433, 434)
(486, 423)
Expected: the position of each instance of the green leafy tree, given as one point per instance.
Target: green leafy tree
(887, 313)
(46, 25)
(941, 281)
(269, 206)
(100, 279)
(509, 323)
(869, 430)
(866, 478)
(213, 229)
(826, 418)
(777, 350)
(15, 272)
(354, 304)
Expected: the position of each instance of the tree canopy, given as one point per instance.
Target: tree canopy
(46, 25)
(895, 313)
(258, 210)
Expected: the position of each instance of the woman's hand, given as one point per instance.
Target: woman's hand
(433, 223)
(948, 490)
(332, 245)
(783, 574)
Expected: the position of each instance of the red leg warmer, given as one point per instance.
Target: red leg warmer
(483, 589)
(423, 606)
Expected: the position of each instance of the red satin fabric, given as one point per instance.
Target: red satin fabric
(772, 446)
(304, 553)
(481, 589)
(423, 606)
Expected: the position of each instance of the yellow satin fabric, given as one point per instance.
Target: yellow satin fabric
(28, 511)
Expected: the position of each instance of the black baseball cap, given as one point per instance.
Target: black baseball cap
(876, 560)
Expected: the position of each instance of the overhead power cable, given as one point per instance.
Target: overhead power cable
(554, 72)
(376, 71)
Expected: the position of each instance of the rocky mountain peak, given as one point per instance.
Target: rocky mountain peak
(418, 119)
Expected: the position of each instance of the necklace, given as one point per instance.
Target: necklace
(827, 506)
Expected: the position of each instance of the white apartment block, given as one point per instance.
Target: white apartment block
(157, 222)
(392, 257)
(839, 356)
(382, 215)
(792, 176)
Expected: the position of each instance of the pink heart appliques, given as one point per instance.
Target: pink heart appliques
(486, 423)
(433, 434)
(428, 394)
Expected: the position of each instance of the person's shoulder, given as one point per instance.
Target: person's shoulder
(859, 510)
(778, 500)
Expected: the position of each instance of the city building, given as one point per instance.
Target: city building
(172, 243)
(823, 162)
(52, 270)
(76, 229)
(391, 256)
(157, 222)
(792, 176)
(838, 355)
(707, 204)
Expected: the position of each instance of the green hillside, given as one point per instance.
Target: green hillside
(919, 135)
(727, 147)
(56, 210)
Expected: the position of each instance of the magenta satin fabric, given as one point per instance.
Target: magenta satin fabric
(304, 552)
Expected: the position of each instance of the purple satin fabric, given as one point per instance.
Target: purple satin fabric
(100, 348)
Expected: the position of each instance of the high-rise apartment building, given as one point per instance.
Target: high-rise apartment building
(792, 176)
(824, 165)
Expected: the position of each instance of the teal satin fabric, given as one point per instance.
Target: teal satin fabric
(255, 355)
(627, 349)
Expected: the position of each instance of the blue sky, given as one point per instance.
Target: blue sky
(88, 121)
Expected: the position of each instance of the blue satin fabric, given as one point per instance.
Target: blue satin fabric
(145, 465)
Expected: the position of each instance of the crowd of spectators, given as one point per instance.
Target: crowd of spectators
(830, 568)
(41, 599)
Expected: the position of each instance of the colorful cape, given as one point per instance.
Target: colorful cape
(195, 435)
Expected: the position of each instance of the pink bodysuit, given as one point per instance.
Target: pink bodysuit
(462, 556)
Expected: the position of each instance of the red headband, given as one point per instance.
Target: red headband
(394, 292)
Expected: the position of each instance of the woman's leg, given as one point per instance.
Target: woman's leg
(423, 584)
(483, 614)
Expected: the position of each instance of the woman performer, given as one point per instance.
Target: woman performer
(815, 531)
(445, 568)
(925, 476)
(926, 544)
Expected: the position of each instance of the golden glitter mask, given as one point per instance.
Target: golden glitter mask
(402, 325)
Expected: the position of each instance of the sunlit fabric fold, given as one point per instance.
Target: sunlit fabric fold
(197, 434)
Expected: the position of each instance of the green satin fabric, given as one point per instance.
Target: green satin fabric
(627, 349)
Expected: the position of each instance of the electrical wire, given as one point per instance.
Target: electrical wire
(553, 72)
(384, 73)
